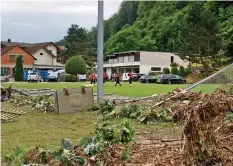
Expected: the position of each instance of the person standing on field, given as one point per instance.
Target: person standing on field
(117, 77)
(93, 78)
(130, 78)
(104, 77)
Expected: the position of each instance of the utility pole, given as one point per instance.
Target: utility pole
(100, 44)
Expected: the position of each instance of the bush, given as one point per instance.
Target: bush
(19, 68)
(71, 78)
(76, 65)
(166, 70)
(181, 71)
(187, 71)
(174, 68)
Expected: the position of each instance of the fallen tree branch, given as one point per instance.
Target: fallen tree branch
(170, 140)
(161, 102)
(15, 90)
(229, 136)
(225, 147)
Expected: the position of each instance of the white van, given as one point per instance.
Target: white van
(125, 77)
(53, 75)
(82, 77)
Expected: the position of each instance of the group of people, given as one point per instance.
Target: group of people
(93, 78)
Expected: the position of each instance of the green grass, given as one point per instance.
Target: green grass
(137, 90)
(206, 88)
(46, 130)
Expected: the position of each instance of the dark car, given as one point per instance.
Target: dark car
(148, 79)
(170, 79)
(137, 76)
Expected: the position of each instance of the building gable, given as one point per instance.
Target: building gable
(9, 55)
(43, 56)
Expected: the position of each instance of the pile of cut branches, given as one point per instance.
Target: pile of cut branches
(202, 115)
(42, 103)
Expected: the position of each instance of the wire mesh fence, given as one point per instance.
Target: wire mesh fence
(211, 83)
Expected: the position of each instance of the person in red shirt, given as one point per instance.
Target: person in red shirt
(105, 76)
(117, 78)
(130, 78)
(93, 78)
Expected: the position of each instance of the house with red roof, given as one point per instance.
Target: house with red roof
(43, 56)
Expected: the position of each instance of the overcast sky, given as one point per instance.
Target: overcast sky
(41, 21)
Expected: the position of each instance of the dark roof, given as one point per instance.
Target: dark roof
(7, 44)
(6, 49)
(30, 47)
(26, 45)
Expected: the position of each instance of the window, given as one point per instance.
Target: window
(5, 71)
(41, 53)
(172, 59)
(131, 58)
(121, 59)
(110, 61)
(12, 58)
(126, 59)
(116, 60)
(136, 58)
(156, 69)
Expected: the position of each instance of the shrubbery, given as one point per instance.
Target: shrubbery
(181, 71)
(71, 78)
(174, 68)
(166, 70)
(76, 65)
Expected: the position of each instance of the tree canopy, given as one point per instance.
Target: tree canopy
(76, 65)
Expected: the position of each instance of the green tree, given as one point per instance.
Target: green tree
(166, 70)
(181, 71)
(76, 41)
(76, 65)
(174, 68)
(19, 68)
(199, 37)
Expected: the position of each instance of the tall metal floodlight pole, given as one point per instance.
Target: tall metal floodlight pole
(100, 44)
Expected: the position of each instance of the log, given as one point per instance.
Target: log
(15, 90)
(161, 102)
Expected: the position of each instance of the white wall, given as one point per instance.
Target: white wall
(45, 59)
(108, 72)
(53, 49)
(145, 69)
(159, 59)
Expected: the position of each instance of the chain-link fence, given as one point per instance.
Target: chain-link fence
(209, 84)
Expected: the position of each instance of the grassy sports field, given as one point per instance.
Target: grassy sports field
(137, 90)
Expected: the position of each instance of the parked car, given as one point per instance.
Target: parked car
(170, 79)
(125, 77)
(148, 79)
(82, 77)
(138, 76)
(35, 76)
(61, 76)
(53, 75)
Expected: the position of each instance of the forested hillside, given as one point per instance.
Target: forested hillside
(191, 29)
(159, 25)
